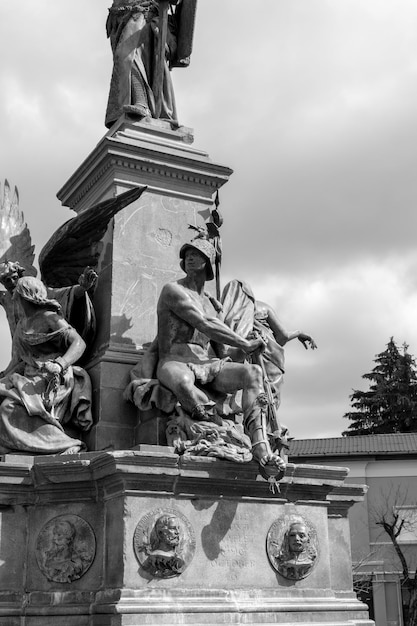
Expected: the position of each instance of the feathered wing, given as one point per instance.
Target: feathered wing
(77, 243)
(15, 240)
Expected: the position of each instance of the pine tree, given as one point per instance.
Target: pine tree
(390, 404)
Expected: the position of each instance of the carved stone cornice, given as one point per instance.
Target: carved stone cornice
(135, 154)
(159, 469)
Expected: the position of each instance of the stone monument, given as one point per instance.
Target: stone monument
(127, 530)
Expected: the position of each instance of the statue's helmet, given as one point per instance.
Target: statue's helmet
(206, 249)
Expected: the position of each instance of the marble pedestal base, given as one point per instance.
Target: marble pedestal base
(72, 527)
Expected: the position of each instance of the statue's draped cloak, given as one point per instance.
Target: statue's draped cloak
(243, 314)
(79, 312)
(35, 405)
(133, 31)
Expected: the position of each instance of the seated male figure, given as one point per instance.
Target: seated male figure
(189, 335)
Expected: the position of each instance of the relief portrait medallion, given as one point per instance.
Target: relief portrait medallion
(292, 547)
(65, 548)
(164, 543)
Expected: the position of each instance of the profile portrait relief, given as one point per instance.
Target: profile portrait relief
(293, 551)
(65, 549)
(163, 544)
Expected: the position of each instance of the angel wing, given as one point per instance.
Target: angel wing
(77, 243)
(15, 240)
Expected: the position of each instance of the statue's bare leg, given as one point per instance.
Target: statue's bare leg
(180, 380)
(236, 376)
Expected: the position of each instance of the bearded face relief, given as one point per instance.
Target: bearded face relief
(164, 543)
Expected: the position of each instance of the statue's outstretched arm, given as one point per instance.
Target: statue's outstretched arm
(283, 336)
(179, 302)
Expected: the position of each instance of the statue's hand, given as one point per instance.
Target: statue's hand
(51, 367)
(88, 278)
(307, 341)
(256, 334)
(254, 345)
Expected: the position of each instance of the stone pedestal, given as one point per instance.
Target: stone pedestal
(140, 249)
(83, 518)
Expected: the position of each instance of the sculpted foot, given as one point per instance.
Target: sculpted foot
(137, 110)
(271, 466)
(72, 450)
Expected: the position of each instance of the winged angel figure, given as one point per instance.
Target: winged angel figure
(44, 395)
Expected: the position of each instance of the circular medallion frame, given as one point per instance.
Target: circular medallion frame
(164, 543)
(65, 548)
(292, 547)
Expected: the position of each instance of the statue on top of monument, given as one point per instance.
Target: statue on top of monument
(148, 38)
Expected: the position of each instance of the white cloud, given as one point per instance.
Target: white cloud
(351, 313)
(17, 105)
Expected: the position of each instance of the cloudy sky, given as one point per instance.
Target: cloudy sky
(313, 103)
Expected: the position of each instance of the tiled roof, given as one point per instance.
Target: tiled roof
(398, 443)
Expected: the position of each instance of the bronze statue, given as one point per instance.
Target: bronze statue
(247, 316)
(188, 359)
(41, 391)
(44, 395)
(148, 38)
